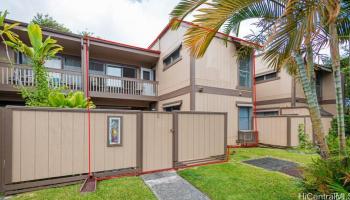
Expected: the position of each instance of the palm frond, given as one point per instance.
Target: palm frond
(183, 9)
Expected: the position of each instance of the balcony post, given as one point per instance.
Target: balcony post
(84, 65)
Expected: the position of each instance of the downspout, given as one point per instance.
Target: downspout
(254, 103)
(88, 97)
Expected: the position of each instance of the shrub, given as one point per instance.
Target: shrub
(304, 141)
(334, 126)
(77, 99)
(327, 176)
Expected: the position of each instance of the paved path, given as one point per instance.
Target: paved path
(170, 186)
(274, 164)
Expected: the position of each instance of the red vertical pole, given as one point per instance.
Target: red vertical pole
(254, 102)
(88, 97)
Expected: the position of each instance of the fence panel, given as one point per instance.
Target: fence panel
(53, 143)
(157, 141)
(272, 130)
(200, 135)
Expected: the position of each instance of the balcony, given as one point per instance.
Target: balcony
(12, 77)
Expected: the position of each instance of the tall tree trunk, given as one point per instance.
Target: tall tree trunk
(314, 107)
(335, 56)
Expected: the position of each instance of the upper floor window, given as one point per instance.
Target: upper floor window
(22, 59)
(72, 62)
(172, 58)
(269, 76)
(245, 72)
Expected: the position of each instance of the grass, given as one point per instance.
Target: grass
(122, 188)
(239, 181)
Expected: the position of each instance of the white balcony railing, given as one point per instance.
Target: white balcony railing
(21, 75)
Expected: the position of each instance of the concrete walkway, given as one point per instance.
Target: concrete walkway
(170, 186)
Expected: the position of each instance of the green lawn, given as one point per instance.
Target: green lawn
(121, 188)
(236, 180)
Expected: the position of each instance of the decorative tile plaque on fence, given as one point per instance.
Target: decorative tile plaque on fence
(114, 135)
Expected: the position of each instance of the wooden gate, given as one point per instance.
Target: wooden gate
(157, 141)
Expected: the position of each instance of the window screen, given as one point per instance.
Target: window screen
(96, 66)
(129, 72)
(245, 119)
(245, 72)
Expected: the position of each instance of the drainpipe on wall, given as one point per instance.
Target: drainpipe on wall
(254, 103)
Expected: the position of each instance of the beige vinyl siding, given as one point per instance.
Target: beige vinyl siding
(222, 103)
(218, 67)
(176, 76)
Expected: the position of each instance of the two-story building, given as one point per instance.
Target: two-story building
(279, 93)
(162, 77)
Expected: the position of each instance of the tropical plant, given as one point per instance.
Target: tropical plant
(333, 9)
(327, 176)
(57, 98)
(6, 30)
(38, 53)
(304, 141)
(285, 46)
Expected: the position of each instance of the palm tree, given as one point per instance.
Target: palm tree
(6, 30)
(333, 9)
(287, 39)
(38, 53)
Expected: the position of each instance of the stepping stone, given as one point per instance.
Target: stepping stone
(170, 186)
(274, 164)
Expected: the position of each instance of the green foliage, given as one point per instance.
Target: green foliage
(48, 22)
(326, 176)
(38, 53)
(334, 126)
(77, 99)
(304, 141)
(5, 30)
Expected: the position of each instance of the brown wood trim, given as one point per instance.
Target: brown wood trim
(222, 91)
(328, 101)
(123, 96)
(8, 146)
(199, 112)
(192, 83)
(294, 91)
(271, 108)
(268, 80)
(2, 131)
(274, 101)
(289, 134)
(139, 142)
(21, 187)
(176, 93)
(300, 100)
(175, 138)
(225, 133)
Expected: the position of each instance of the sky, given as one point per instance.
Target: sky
(134, 22)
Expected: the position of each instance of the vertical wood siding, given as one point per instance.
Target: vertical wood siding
(157, 141)
(52, 143)
(200, 136)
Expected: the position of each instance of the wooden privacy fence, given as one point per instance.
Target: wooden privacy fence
(42, 146)
(283, 130)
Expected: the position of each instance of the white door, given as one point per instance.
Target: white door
(147, 87)
(114, 70)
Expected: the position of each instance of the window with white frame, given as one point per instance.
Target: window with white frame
(172, 58)
(269, 76)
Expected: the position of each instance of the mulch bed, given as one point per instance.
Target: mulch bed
(274, 164)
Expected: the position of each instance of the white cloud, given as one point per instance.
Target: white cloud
(131, 22)
(134, 22)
